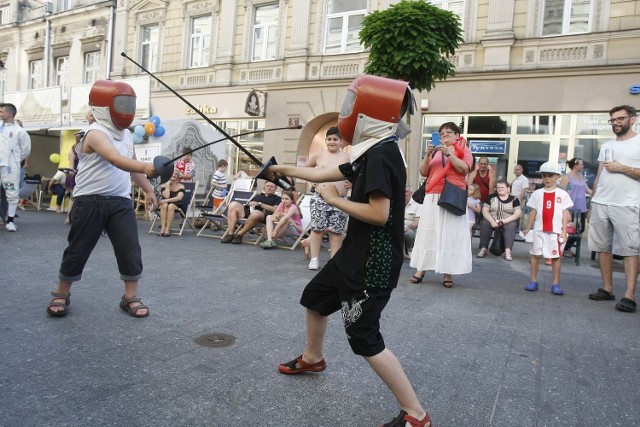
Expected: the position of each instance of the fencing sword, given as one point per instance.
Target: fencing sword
(162, 163)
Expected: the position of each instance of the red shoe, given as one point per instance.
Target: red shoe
(297, 366)
(404, 418)
(548, 261)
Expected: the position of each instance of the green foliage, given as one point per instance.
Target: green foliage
(412, 41)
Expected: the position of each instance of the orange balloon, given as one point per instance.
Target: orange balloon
(149, 128)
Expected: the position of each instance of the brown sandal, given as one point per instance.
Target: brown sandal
(133, 311)
(297, 366)
(54, 303)
(447, 284)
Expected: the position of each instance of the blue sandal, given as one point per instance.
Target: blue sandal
(532, 286)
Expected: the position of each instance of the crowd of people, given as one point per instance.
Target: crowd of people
(359, 198)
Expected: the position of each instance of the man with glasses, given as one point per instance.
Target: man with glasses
(614, 221)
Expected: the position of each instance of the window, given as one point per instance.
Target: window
(91, 67)
(344, 21)
(200, 49)
(62, 72)
(455, 6)
(566, 17)
(35, 74)
(265, 26)
(63, 5)
(5, 15)
(149, 47)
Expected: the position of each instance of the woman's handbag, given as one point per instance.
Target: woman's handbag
(497, 246)
(418, 195)
(453, 199)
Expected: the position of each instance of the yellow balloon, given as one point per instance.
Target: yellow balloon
(55, 158)
(149, 128)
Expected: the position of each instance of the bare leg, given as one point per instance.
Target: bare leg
(555, 269)
(316, 328)
(631, 264)
(389, 369)
(335, 242)
(535, 262)
(270, 227)
(315, 241)
(163, 217)
(605, 260)
(171, 213)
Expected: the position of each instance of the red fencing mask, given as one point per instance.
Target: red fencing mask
(118, 97)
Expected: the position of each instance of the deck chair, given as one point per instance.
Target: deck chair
(185, 214)
(218, 217)
(30, 193)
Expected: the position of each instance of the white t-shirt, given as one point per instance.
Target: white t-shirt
(518, 185)
(549, 206)
(411, 212)
(619, 189)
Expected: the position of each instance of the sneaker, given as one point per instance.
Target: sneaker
(226, 239)
(268, 244)
(602, 295)
(404, 419)
(313, 264)
(532, 286)
(10, 226)
(557, 290)
(237, 239)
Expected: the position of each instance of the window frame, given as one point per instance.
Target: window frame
(201, 39)
(91, 66)
(270, 29)
(5, 14)
(566, 19)
(36, 80)
(444, 5)
(344, 40)
(149, 49)
(62, 74)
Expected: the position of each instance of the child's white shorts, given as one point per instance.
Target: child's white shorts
(546, 244)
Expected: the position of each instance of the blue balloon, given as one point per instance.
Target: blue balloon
(139, 131)
(137, 139)
(155, 120)
(159, 131)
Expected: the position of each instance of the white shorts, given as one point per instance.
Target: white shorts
(546, 244)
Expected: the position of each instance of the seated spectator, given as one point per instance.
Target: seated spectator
(287, 213)
(172, 195)
(474, 206)
(56, 186)
(411, 219)
(255, 212)
(186, 167)
(502, 210)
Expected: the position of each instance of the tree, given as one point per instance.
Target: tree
(412, 41)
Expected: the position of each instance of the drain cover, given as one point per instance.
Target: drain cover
(215, 340)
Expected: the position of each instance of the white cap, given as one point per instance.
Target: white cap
(550, 167)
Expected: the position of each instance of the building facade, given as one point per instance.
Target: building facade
(535, 78)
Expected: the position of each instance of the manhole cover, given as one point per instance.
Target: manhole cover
(215, 340)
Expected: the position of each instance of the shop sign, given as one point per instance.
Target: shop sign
(147, 152)
(254, 106)
(635, 89)
(204, 109)
(488, 147)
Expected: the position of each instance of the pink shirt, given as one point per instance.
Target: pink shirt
(453, 176)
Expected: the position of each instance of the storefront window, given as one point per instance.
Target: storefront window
(536, 125)
(588, 150)
(595, 124)
(499, 125)
(254, 143)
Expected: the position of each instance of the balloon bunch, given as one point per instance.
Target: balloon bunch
(151, 128)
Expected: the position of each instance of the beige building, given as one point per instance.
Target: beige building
(534, 81)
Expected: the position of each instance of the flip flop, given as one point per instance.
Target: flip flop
(447, 283)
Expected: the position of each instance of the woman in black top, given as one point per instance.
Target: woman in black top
(172, 195)
(502, 210)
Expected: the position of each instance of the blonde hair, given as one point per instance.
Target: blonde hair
(476, 191)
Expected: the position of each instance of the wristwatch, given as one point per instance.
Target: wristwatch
(260, 204)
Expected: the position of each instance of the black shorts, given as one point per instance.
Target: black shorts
(332, 290)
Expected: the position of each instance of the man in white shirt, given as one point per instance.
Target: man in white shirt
(613, 216)
(520, 184)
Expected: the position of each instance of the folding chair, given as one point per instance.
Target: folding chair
(30, 193)
(219, 215)
(185, 214)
